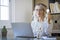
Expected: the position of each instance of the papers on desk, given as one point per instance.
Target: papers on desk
(49, 38)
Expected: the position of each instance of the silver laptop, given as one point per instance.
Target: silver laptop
(22, 29)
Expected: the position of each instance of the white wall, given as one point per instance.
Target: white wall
(21, 10)
(12, 10)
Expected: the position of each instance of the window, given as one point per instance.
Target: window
(4, 9)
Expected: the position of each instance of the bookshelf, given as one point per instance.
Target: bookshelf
(54, 6)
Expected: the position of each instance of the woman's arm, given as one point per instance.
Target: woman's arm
(50, 24)
(34, 26)
(49, 18)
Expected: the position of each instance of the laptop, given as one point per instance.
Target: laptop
(22, 29)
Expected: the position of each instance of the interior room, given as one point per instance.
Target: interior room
(16, 16)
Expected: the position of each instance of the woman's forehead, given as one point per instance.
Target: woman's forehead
(39, 7)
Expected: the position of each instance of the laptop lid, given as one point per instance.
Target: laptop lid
(22, 29)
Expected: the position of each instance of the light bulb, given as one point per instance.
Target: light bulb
(47, 11)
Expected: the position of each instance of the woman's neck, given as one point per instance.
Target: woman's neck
(41, 18)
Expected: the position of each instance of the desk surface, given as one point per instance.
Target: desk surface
(28, 38)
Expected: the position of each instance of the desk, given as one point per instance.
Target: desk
(31, 38)
(35, 38)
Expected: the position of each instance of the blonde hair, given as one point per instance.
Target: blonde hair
(42, 6)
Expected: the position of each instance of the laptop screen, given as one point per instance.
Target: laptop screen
(22, 29)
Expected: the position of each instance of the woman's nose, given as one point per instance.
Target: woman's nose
(38, 12)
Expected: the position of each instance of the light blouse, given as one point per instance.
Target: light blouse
(41, 28)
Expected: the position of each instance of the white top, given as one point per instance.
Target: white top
(46, 28)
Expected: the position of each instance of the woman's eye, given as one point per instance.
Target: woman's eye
(37, 10)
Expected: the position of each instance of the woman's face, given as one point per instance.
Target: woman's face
(39, 11)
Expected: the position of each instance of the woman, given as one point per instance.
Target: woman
(41, 24)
